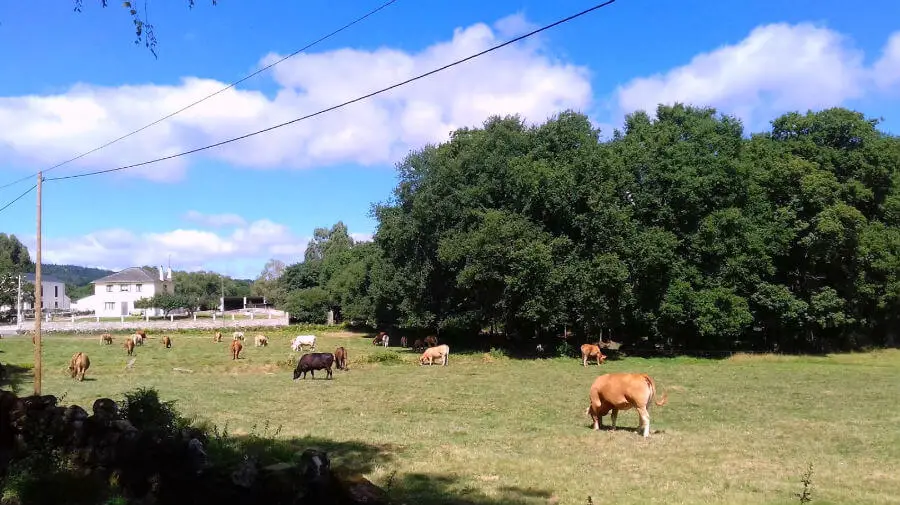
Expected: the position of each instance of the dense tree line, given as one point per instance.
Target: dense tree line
(678, 231)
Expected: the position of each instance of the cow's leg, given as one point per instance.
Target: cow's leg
(598, 359)
(584, 360)
(329, 373)
(313, 373)
(645, 420)
(612, 418)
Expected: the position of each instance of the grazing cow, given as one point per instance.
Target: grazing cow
(79, 365)
(137, 339)
(301, 341)
(403, 341)
(106, 338)
(613, 392)
(419, 345)
(217, 337)
(379, 339)
(129, 346)
(340, 358)
(238, 335)
(142, 333)
(386, 340)
(260, 341)
(167, 341)
(441, 352)
(236, 347)
(591, 351)
(312, 362)
(431, 341)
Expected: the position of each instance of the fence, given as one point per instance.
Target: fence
(88, 326)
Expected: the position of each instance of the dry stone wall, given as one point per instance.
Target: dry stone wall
(83, 326)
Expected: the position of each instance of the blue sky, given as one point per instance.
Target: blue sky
(74, 81)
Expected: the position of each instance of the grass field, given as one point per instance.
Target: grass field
(491, 430)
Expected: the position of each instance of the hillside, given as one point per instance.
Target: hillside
(73, 274)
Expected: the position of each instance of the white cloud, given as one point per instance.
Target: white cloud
(516, 79)
(887, 68)
(214, 220)
(775, 69)
(243, 251)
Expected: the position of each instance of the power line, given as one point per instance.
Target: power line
(334, 107)
(16, 199)
(226, 88)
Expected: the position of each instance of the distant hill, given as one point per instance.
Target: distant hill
(74, 275)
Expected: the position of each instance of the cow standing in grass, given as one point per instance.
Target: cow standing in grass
(613, 392)
(129, 346)
(236, 348)
(340, 358)
(106, 338)
(403, 341)
(312, 362)
(431, 341)
(301, 341)
(441, 352)
(238, 335)
(79, 365)
(217, 337)
(167, 341)
(591, 351)
(261, 341)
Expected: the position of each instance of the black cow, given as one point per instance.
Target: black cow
(314, 361)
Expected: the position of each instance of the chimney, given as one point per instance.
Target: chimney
(169, 274)
(161, 275)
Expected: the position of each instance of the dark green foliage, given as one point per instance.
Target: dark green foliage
(678, 232)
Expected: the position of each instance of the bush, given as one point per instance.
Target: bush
(382, 357)
(566, 350)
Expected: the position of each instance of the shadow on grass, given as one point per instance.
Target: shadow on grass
(350, 458)
(14, 376)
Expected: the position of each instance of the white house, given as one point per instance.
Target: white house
(53, 293)
(114, 295)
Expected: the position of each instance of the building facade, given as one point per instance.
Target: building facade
(53, 293)
(115, 294)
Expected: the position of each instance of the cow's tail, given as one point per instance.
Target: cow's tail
(652, 385)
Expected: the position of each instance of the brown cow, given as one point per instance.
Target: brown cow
(441, 352)
(591, 351)
(129, 346)
(613, 392)
(167, 341)
(142, 333)
(78, 365)
(236, 348)
(379, 338)
(340, 358)
(431, 341)
(419, 345)
(106, 338)
(217, 337)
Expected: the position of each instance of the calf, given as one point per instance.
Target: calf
(106, 338)
(403, 341)
(340, 358)
(260, 341)
(314, 361)
(217, 337)
(441, 352)
(78, 365)
(431, 341)
(236, 347)
(591, 351)
(167, 341)
(129, 346)
(613, 392)
(238, 335)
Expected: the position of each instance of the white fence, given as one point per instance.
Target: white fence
(89, 326)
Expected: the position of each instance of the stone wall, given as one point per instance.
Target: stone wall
(83, 326)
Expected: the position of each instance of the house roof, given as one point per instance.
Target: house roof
(44, 278)
(133, 274)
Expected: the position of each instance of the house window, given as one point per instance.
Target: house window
(56, 291)
(55, 305)
(109, 305)
(42, 292)
(124, 287)
(137, 287)
(109, 288)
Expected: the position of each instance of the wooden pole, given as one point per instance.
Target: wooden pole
(39, 313)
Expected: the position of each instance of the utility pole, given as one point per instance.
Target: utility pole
(19, 305)
(38, 288)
